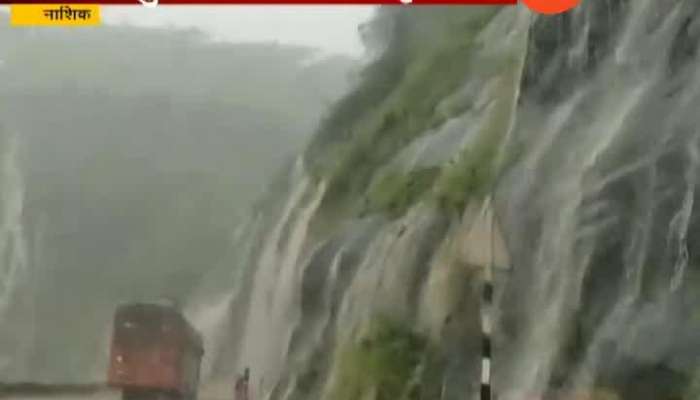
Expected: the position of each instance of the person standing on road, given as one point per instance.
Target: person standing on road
(241, 388)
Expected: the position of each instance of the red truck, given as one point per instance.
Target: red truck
(155, 353)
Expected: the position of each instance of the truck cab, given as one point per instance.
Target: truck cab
(155, 353)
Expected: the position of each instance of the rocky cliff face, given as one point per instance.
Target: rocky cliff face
(560, 153)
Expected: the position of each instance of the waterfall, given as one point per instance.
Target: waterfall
(560, 151)
(594, 198)
(12, 246)
(319, 282)
(13, 249)
(274, 304)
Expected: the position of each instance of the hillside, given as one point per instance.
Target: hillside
(138, 152)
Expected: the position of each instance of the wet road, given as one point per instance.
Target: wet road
(209, 391)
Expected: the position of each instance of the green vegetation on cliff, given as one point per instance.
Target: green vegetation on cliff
(383, 362)
(396, 103)
(394, 193)
(433, 71)
(476, 168)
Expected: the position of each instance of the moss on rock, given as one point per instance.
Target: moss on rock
(365, 130)
(394, 193)
(381, 364)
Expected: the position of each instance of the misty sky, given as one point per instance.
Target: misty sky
(330, 28)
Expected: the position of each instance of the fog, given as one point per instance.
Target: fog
(136, 151)
(486, 203)
(332, 29)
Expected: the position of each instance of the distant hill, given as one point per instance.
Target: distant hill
(140, 147)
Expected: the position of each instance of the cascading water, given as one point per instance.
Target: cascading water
(212, 315)
(13, 249)
(275, 287)
(559, 152)
(321, 281)
(563, 150)
(12, 246)
(600, 207)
